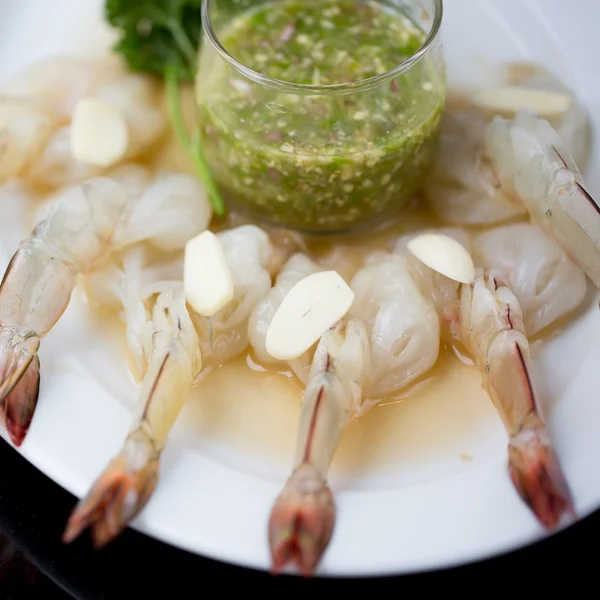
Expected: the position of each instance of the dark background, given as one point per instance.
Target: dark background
(35, 564)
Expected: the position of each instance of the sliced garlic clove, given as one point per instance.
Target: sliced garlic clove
(99, 134)
(311, 307)
(445, 255)
(509, 100)
(207, 278)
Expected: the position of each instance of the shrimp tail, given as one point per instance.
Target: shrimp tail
(302, 520)
(536, 474)
(21, 401)
(19, 382)
(492, 329)
(119, 494)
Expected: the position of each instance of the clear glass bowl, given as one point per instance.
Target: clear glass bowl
(329, 150)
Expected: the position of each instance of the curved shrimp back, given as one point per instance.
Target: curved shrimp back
(391, 336)
(37, 286)
(180, 346)
(403, 326)
(545, 280)
(295, 269)
(443, 291)
(169, 211)
(493, 331)
(462, 188)
(125, 486)
(535, 168)
(38, 143)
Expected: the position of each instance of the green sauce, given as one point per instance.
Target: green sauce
(320, 163)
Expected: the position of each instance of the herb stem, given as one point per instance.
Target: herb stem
(192, 148)
(183, 41)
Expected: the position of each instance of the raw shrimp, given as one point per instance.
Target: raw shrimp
(38, 283)
(534, 167)
(83, 226)
(522, 290)
(390, 337)
(546, 281)
(462, 187)
(494, 333)
(180, 346)
(125, 486)
(126, 285)
(36, 108)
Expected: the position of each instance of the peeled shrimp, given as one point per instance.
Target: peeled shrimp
(82, 227)
(521, 291)
(390, 337)
(180, 346)
(36, 108)
(494, 333)
(462, 187)
(126, 285)
(534, 167)
(546, 281)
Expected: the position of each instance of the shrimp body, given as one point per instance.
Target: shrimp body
(38, 283)
(547, 283)
(81, 228)
(535, 168)
(525, 282)
(462, 187)
(37, 106)
(127, 483)
(178, 347)
(303, 516)
(126, 284)
(403, 326)
(494, 333)
(390, 337)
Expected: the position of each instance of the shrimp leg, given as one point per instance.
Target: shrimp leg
(492, 329)
(125, 486)
(302, 518)
(37, 286)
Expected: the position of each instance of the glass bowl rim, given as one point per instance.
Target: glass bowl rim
(309, 89)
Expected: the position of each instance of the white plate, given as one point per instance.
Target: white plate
(427, 511)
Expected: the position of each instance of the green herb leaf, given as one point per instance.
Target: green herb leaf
(156, 34)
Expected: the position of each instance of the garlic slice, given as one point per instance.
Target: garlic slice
(207, 278)
(444, 255)
(99, 134)
(509, 100)
(311, 307)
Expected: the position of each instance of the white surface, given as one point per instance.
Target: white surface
(213, 500)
